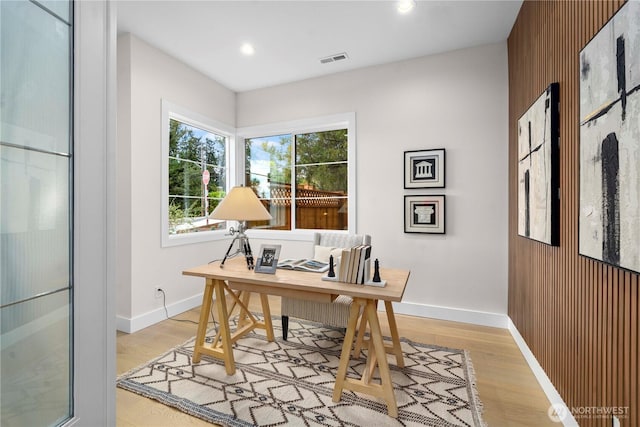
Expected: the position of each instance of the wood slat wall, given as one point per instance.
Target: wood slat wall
(579, 316)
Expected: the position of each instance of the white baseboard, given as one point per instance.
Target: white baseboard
(547, 386)
(134, 324)
(495, 320)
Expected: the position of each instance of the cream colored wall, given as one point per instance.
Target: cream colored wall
(154, 76)
(457, 101)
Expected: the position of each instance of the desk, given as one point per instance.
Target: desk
(296, 284)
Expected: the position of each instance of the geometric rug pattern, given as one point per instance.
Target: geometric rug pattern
(291, 383)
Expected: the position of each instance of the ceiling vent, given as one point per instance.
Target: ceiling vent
(334, 58)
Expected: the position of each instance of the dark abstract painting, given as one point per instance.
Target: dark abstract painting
(538, 165)
(609, 217)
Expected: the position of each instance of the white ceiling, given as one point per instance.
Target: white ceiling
(290, 37)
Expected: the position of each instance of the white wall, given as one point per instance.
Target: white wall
(457, 101)
(149, 76)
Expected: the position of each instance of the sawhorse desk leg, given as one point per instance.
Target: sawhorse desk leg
(395, 348)
(376, 355)
(222, 345)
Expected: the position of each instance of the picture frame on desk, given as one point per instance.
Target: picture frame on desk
(267, 261)
(424, 214)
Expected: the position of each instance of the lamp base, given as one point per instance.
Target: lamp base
(243, 246)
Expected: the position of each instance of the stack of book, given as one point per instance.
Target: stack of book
(355, 264)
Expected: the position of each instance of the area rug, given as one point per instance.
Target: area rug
(291, 383)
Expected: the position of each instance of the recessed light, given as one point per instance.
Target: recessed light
(247, 49)
(406, 6)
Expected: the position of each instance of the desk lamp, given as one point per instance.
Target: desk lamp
(240, 204)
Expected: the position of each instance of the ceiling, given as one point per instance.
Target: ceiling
(290, 37)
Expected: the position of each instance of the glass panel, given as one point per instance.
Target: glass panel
(34, 77)
(180, 224)
(322, 214)
(60, 8)
(34, 223)
(194, 153)
(321, 147)
(185, 179)
(322, 180)
(331, 178)
(268, 172)
(35, 371)
(35, 213)
(321, 197)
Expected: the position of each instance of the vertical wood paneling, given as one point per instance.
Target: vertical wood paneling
(579, 316)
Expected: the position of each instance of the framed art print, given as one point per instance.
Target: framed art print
(609, 214)
(267, 261)
(538, 169)
(424, 214)
(424, 169)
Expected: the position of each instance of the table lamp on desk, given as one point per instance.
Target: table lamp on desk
(240, 204)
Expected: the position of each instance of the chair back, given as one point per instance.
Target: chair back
(341, 240)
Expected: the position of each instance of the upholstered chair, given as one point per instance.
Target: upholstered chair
(335, 313)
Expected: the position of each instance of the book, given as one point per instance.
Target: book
(353, 264)
(365, 264)
(344, 265)
(304, 264)
(356, 254)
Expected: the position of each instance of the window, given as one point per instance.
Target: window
(196, 174)
(305, 175)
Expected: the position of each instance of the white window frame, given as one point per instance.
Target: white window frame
(184, 115)
(296, 127)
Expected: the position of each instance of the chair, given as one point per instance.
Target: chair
(335, 313)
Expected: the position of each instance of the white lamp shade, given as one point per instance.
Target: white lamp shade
(241, 204)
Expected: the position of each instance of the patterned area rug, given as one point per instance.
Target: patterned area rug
(291, 383)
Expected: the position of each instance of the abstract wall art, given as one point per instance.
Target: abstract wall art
(609, 215)
(538, 169)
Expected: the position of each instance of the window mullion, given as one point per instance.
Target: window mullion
(293, 177)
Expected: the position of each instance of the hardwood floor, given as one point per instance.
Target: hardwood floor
(508, 389)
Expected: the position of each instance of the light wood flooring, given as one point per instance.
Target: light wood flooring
(508, 389)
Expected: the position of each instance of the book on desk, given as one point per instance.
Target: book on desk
(304, 264)
(355, 264)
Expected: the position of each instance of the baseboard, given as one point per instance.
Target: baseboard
(130, 325)
(549, 389)
(495, 320)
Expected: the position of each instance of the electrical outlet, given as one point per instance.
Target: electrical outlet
(615, 422)
(159, 293)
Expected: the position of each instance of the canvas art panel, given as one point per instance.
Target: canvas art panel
(424, 214)
(609, 214)
(538, 169)
(424, 168)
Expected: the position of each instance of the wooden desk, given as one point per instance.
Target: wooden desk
(310, 286)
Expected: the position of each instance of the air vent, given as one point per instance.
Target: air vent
(334, 58)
